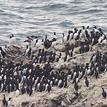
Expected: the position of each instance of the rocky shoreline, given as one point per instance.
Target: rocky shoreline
(89, 97)
(61, 96)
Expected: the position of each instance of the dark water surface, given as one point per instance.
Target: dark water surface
(36, 17)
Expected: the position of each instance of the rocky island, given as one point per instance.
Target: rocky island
(65, 72)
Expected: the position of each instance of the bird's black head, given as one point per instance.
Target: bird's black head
(54, 33)
(87, 64)
(54, 39)
(10, 98)
(0, 48)
(102, 88)
(11, 36)
(80, 31)
(32, 36)
(36, 40)
(75, 29)
(70, 31)
(101, 31)
(94, 26)
(87, 27)
(83, 27)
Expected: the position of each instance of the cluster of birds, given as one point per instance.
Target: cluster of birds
(90, 35)
(96, 66)
(87, 36)
(27, 78)
(44, 56)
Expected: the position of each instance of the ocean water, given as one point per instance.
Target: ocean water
(40, 17)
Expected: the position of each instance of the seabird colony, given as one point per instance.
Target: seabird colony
(34, 71)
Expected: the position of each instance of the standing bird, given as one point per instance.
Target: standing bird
(49, 88)
(96, 30)
(96, 74)
(77, 34)
(5, 103)
(83, 35)
(39, 43)
(28, 52)
(104, 93)
(64, 39)
(2, 52)
(12, 40)
(86, 82)
(48, 43)
(102, 39)
(9, 102)
(76, 86)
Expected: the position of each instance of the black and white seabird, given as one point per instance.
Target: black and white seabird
(12, 40)
(28, 52)
(76, 87)
(4, 101)
(104, 94)
(3, 53)
(86, 82)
